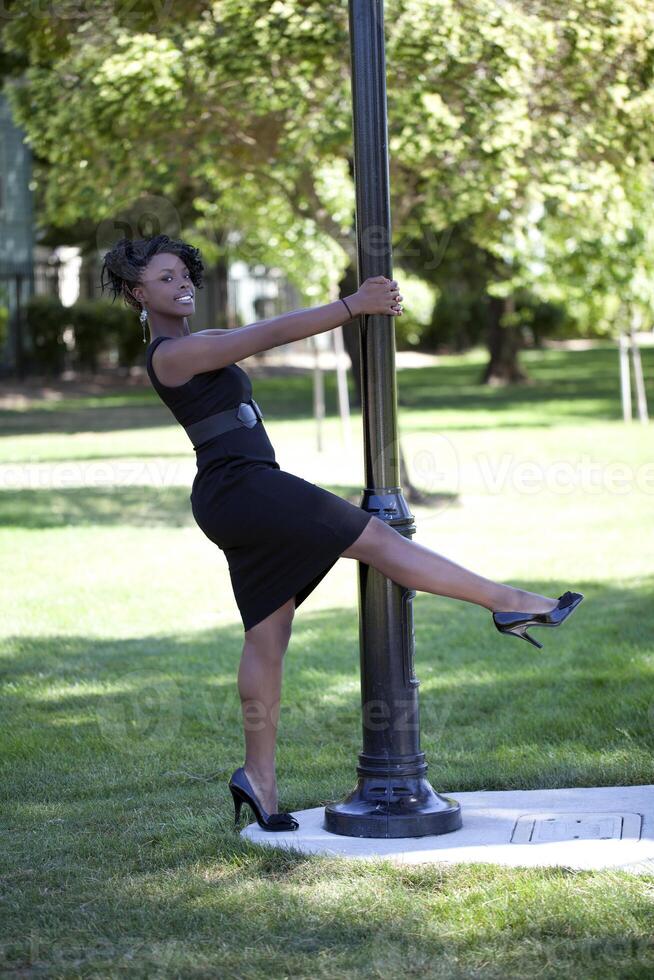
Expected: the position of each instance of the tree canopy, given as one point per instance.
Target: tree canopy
(527, 122)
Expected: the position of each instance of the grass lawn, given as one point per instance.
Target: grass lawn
(121, 721)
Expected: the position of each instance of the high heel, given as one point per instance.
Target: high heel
(242, 792)
(516, 623)
(238, 803)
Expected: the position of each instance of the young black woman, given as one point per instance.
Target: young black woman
(279, 533)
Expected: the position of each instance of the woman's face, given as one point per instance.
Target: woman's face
(166, 286)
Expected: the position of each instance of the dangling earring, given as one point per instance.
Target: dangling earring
(143, 316)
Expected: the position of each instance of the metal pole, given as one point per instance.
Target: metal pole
(393, 797)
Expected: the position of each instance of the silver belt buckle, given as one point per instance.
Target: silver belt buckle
(246, 415)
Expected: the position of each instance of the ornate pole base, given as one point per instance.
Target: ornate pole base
(396, 800)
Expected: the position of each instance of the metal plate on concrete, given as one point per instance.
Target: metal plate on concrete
(544, 828)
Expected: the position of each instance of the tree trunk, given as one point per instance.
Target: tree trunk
(411, 493)
(639, 380)
(503, 346)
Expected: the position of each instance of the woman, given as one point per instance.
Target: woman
(280, 534)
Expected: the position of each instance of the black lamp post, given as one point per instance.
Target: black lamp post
(393, 797)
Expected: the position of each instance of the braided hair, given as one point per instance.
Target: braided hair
(125, 262)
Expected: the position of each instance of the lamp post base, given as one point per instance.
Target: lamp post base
(398, 806)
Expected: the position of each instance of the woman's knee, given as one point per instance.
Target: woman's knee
(376, 537)
(274, 632)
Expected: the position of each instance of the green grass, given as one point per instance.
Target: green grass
(121, 722)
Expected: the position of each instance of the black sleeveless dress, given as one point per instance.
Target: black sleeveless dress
(280, 534)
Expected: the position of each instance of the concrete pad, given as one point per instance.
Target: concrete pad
(582, 828)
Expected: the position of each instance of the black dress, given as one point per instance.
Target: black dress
(280, 534)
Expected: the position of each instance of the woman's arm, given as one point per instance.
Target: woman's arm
(182, 357)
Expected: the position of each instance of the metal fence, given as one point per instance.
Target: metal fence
(226, 300)
(17, 284)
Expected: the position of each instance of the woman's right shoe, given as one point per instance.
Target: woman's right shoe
(516, 623)
(242, 792)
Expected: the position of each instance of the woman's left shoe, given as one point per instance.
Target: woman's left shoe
(242, 792)
(516, 623)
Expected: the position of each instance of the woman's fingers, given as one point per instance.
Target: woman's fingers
(393, 293)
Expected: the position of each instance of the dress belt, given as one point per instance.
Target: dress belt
(244, 414)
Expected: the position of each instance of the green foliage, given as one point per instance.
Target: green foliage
(97, 325)
(418, 302)
(90, 333)
(47, 319)
(126, 331)
(460, 318)
(531, 124)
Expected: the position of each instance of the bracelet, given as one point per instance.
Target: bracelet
(347, 308)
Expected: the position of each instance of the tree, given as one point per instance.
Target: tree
(237, 113)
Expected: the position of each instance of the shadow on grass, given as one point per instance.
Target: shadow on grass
(564, 385)
(122, 849)
(84, 418)
(136, 506)
(230, 909)
(491, 710)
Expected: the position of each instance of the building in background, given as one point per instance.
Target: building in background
(16, 236)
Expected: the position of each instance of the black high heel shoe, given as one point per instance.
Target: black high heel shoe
(242, 792)
(516, 623)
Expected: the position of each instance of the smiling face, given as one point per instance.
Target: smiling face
(166, 287)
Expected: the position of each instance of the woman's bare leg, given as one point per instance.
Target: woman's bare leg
(416, 567)
(259, 686)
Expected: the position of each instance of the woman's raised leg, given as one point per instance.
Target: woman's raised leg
(416, 567)
(259, 685)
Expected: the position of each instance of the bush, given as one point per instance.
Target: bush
(462, 318)
(125, 328)
(418, 302)
(46, 319)
(4, 319)
(89, 340)
(409, 331)
(100, 324)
